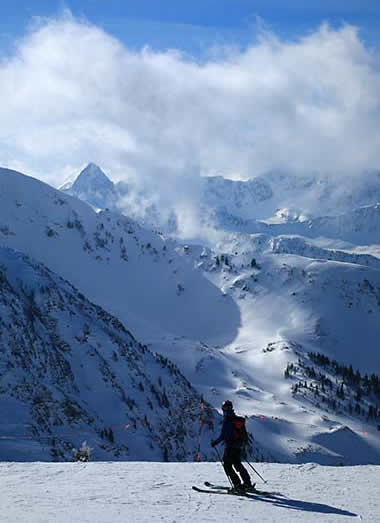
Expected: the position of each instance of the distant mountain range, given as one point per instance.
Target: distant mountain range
(275, 204)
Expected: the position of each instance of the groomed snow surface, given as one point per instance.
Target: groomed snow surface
(152, 492)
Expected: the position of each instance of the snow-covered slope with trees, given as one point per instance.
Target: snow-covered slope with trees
(290, 306)
(70, 372)
(131, 272)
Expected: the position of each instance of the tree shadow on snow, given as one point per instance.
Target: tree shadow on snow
(306, 506)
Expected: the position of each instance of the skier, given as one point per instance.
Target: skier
(235, 437)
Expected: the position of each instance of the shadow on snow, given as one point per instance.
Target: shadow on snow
(306, 506)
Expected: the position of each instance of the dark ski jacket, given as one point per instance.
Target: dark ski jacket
(226, 433)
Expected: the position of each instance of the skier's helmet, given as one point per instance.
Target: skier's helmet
(227, 405)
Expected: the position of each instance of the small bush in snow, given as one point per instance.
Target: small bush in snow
(83, 453)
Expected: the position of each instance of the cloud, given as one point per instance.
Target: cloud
(72, 94)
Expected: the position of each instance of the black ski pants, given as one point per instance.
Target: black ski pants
(232, 462)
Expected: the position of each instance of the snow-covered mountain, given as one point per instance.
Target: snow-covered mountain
(130, 271)
(298, 288)
(277, 203)
(233, 318)
(69, 372)
(316, 194)
(359, 227)
(95, 188)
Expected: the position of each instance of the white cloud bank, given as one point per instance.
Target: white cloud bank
(71, 94)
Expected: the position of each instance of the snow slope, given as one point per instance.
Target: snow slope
(71, 372)
(359, 226)
(146, 492)
(331, 301)
(129, 271)
(292, 304)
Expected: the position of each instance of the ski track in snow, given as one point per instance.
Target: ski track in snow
(145, 492)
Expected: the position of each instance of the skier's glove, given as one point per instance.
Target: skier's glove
(213, 443)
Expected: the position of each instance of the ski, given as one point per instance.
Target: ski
(223, 492)
(223, 487)
(252, 490)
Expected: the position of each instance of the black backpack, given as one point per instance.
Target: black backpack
(239, 432)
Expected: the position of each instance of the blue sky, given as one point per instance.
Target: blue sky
(197, 25)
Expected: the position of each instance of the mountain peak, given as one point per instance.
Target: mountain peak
(92, 177)
(92, 186)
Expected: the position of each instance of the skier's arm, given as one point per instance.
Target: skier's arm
(222, 436)
(217, 441)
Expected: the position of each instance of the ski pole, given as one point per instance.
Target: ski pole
(221, 461)
(253, 468)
